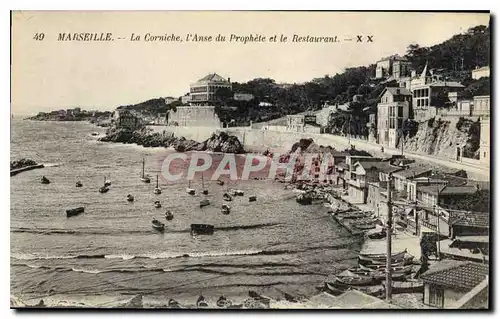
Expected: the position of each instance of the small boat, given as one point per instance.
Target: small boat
(377, 235)
(331, 289)
(407, 260)
(353, 281)
(107, 182)
(173, 304)
(103, 189)
(223, 302)
(130, 198)
(383, 257)
(202, 229)
(169, 215)
(204, 202)
(190, 190)
(94, 134)
(252, 198)
(74, 211)
(201, 302)
(157, 189)
(227, 197)
(157, 204)
(45, 180)
(365, 226)
(398, 269)
(237, 192)
(225, 209)
(219, 182)
(144, 178)
(79, 184)
(203, 190)
(381, 275)
(157, 225)
(400, 287)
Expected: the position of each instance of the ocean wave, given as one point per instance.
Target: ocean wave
(50, 231)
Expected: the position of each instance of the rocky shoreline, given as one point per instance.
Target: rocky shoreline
(23, 165)
(218, 142)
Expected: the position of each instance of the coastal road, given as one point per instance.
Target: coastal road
(475, 172)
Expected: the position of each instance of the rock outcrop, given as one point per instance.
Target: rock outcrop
(220, 142)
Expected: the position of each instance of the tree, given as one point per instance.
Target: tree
(223, 94)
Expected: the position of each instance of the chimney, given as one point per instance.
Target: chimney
(229, 80)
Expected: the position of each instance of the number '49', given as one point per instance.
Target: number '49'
(39, 36)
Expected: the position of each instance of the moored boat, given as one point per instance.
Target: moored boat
(225, 209)
(45, 180)
(219, 182)
(382, 257)
(169, 215)
(227, 197)
(364, 226)
(103, 189)
(353, 281)
(202, 229)
(173, 304)
(157, 204)
(201, 302)
(130, 198)
(204, 191)
(190, 190)
(107, 182)
(204, 202)
(400, 287)
(79, 184)
(157, 225)
(144, 178)
(252, 198)
(157, 189)
(223, 302)
(74, 211)
(398, 269)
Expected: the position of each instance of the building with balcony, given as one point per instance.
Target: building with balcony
(392, 111)
(203, 91)
(430, 92)
(483, 72)
(481, 106)
(393, 65)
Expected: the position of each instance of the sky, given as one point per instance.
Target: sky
(47, 74)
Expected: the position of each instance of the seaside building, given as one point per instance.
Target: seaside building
(430, 93)
(302, 123)
(481, 105)
(194, 115)
(454, 284)
(125, 119)
(483, 72)
(393, 65)
(203, 91)
(392, 111)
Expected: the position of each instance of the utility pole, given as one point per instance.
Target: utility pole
(350, 117)
(388, 275)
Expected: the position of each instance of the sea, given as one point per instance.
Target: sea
(110, 253)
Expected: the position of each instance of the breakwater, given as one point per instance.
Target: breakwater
(24, 169)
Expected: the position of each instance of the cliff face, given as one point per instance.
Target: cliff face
(221, 142)
(442, 137)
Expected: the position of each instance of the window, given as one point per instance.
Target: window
(436, 296)
(400, 111)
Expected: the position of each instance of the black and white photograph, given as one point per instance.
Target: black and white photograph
(242, 160)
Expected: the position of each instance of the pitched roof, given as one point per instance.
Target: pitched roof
(212, 77)
(380, 166)
(470, 219)
(463, 276)
(413, 171)
(396, 91)
(448, 189)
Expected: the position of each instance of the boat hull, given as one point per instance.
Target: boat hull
(74, 212)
